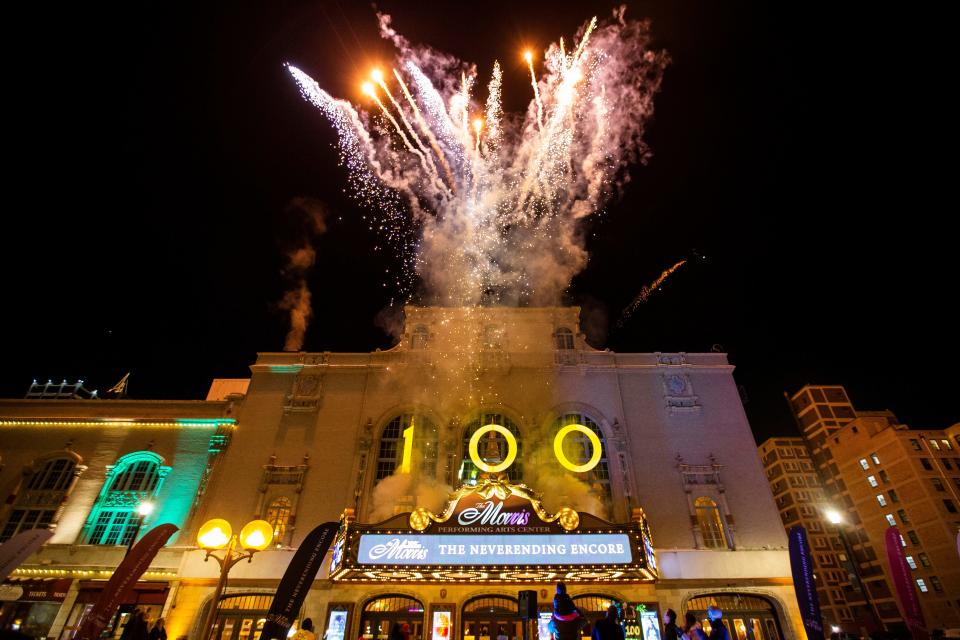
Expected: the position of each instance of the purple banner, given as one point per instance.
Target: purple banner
(16, 549)
(903, 583)
(801, 565)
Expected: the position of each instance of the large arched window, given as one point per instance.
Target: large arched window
(423, 455)
(380, 616)
(278, 515)
(46, 486)
(579, 449)
(134, 479)
(710, 523)
(492, 448)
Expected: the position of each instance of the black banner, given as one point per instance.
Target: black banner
(296, 581)
(801, 565)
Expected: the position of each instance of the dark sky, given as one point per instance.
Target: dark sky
(798, 160)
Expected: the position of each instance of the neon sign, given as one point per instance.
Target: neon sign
(512, 448)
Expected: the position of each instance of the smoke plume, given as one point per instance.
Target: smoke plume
(310, 216)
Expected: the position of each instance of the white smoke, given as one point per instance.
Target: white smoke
(297, 298)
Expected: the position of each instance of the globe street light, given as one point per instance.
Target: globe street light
(217, 534)
(836, 518)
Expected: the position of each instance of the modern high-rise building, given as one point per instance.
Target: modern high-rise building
(492, 450)
(877, 473)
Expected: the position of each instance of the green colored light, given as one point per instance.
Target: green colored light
(205, 422)
(285, 368)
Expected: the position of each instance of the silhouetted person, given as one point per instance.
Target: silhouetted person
(566, 621)
(306, 631)
(670, 629)
(158, 632)
(608, 628)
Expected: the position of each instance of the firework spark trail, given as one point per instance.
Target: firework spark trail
(503, 227)
(646, 292)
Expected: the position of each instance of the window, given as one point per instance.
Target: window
(890, 520)
(47, 483)
(711, 526)
(903, 543)
(914, 538)
(937, 484)
(872, 480)
(952, 508)
(903, 516)
(278, 515)
(926, 464)
(881, 499)
(935, 583)
(578, 449)
(911, 562)
(864, 464)
(419, 338)
(392, 442)
(893, 495)
(934, 445)
(883, 477)
(492, 337)
(492, 447)
(946, 464)
(915, 444)
(563, 339)
(947, 446)
(922, 585)
(875, 458)
(135, 478)
(924, 560)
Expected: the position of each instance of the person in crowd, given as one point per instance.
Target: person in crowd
(690, 626)
(158, 632)
(608, 628)
(718, 631)
(406, 631)
(670, 629)
(305, 632)
(566, 621)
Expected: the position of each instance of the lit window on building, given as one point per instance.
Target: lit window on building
(278, 515)
(392, 443)
(135, 478)
(875, 458)
(578, 449)
(872, 480)
(911, 562)
(420, 338)
(864, 464)
(492, 448)
(881, 499)
(44, 489)
(903, 543)
(934, 445)
(922, 585)
(948, 447)
(710, 522)
(890, 520)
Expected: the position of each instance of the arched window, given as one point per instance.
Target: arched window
(710, 522)
(419, 338)
(492, 337)
(563, 339)
(381, 614)
(278, 515)
(492, 448)
(45, 488)
(134, 479)
(423, 456)
(579, 449)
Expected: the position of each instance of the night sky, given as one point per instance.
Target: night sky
(153, 150)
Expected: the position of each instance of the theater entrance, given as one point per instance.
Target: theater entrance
(747, 617)
(381, 614)
(491, 618)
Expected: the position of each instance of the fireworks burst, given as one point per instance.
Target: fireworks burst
(497, 200)
(645, 293)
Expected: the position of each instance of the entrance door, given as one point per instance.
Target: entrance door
(491, 618)
(382, 614)
(747, 617)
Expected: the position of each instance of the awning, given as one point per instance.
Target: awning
(35, 589)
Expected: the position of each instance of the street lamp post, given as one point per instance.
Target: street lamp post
(217, 534)
(836, 519)
(145, 509)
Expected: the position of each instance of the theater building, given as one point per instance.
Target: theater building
(491, 451)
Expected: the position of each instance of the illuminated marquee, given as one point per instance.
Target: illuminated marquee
(494, 531)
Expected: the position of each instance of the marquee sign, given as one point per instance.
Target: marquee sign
(494, 531)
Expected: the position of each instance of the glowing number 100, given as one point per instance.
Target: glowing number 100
(512, 448)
